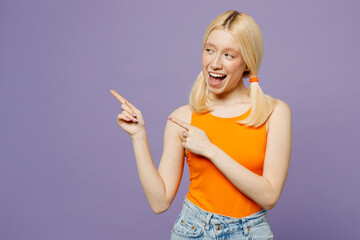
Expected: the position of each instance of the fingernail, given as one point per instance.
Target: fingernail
(128, 119)
(135, 119)
(169, 117)
(134, 114)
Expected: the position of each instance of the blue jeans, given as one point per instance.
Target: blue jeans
(196, 223)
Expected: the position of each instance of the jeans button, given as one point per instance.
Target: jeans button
(218, 227)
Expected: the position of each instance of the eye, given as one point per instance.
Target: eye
(229, 55)
(208, 50)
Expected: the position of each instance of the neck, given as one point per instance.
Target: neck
(237, 95)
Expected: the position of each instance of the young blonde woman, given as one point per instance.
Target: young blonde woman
(237, 141)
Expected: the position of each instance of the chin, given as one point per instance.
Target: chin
(215, 91)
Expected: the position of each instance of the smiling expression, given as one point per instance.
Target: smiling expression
(222, 63)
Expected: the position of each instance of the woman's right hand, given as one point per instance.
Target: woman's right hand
(130, 119)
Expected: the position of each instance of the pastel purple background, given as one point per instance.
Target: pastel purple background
(67, 170)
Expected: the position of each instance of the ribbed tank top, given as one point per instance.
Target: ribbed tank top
(209, 189)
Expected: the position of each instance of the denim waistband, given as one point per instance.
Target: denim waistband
(216, 219)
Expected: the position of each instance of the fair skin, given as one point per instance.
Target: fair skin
(221, 55)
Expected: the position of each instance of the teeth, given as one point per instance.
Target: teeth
(216, 75)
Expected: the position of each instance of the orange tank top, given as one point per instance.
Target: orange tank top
(209, 189)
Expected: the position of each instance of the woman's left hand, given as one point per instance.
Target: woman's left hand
(194, 139)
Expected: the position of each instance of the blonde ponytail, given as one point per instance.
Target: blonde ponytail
(262, 106)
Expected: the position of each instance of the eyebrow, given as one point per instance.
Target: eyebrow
(231, 49)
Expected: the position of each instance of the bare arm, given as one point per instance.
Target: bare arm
(160, 186)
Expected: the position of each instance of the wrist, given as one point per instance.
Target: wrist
(211, 153)
(140, 135)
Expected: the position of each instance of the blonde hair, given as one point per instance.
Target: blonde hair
(249, 37)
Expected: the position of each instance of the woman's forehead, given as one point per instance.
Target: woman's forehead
(222, 39)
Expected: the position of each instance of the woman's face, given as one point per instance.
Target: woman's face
(222, 63)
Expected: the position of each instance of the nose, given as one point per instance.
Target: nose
(216, 62)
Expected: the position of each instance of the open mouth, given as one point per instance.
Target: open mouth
(216, 78)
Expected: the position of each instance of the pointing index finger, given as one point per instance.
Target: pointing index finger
(180, 122)
(117, 96)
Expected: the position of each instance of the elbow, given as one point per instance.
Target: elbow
(268, 207)
(157, 212)
(270, 202)
(159, 209)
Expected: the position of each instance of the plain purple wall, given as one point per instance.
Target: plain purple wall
(67, 170)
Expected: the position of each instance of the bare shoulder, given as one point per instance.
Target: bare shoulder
(281, 114)
(183, 113)
(282, 108)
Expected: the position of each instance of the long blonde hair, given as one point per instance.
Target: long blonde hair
(249, 37)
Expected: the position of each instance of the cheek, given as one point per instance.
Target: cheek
(203, 65)
(204, 60)
(236, 69)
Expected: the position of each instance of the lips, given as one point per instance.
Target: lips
(214, 82)
(219, 76)
(215, 79)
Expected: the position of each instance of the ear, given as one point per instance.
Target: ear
(246, 73)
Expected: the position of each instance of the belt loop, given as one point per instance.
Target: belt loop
(207, 223)
(245, 227)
